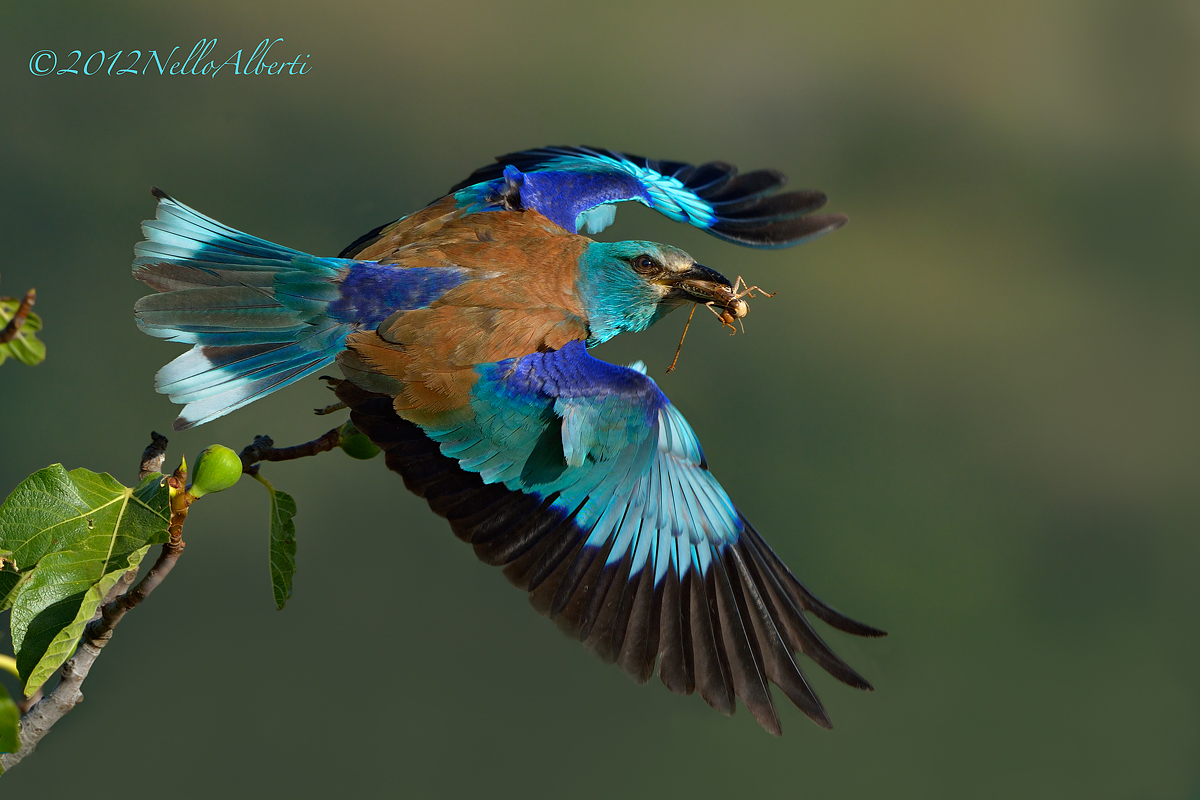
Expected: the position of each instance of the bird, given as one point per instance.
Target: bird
(462, 331)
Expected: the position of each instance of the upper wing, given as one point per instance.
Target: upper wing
(589, 487)
(576, 187)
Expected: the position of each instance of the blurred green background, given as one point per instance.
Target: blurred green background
(972, 417)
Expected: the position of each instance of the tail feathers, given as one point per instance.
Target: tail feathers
(185, 249)
(212, 381)
(163, 276)
(254, 311)
(178, 231)
(247, 391)
(239, 308)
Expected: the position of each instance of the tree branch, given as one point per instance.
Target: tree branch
(39, 719)
(263, 449)
(26, 703)
(13, 327)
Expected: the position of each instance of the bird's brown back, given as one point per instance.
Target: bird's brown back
(519, 297)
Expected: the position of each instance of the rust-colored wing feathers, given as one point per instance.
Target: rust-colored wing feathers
(520, 299)
(442, 222)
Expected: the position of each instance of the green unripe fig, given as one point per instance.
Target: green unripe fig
(216, 470)
(355, 444)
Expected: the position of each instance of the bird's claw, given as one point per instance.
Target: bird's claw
(329, 409)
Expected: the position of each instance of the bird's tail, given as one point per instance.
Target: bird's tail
(254, 311)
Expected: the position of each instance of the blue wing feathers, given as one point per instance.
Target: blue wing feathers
(567, 184)
(594, 220)
(624, 448)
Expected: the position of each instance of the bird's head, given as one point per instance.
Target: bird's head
(628, 286)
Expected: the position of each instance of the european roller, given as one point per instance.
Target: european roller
(463, 332)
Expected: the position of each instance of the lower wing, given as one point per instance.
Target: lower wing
(590, 489)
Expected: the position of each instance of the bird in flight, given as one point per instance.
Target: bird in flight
(463, 332)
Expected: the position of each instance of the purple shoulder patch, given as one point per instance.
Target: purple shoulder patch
(562, 195)
(370, 292)
(572, 372)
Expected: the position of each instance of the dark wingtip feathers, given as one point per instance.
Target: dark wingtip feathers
(159, 193)
(724, 636)
(867, 630)
(778, 233)
(748, 207)
(834, 618)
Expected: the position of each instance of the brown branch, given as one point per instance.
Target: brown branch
(13, 327)
(264, 449)
(99, 630)
(38, 720)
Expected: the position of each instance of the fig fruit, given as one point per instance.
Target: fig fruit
(355, 444)
(216, 470)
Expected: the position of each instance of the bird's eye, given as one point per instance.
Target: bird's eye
(645, 264)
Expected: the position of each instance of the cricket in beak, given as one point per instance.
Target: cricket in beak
(712, 290)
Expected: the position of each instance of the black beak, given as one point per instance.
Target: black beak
(700, 284)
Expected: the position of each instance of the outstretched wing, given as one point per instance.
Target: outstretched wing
(584, 482)
(577, 187)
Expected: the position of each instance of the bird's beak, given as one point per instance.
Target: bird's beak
(701, 285)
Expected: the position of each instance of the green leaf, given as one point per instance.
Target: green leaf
(283, 543)
(52, 631)
(10, 724)
(25, 346)
(9, 580)
(72, 536)
(283, 546)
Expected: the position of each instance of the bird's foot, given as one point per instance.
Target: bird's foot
(329, 409)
